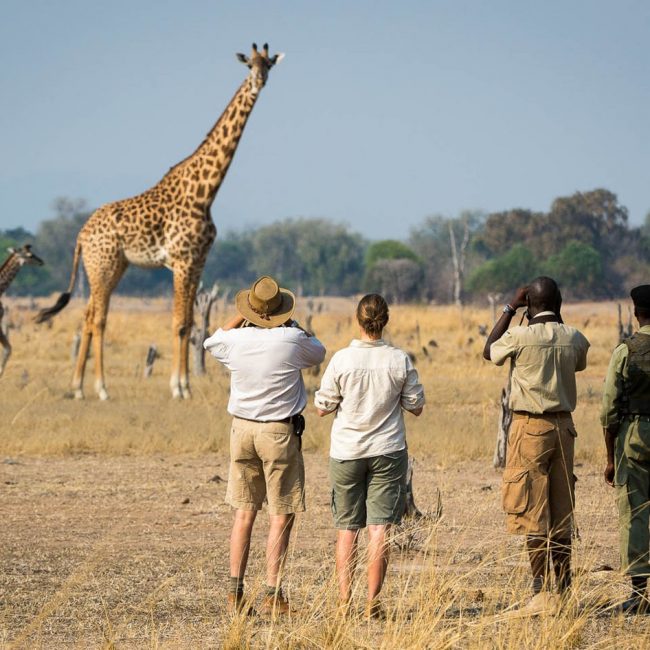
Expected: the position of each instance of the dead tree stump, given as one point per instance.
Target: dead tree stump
(505, 420)
(203, 303)
(152, 355)
(410, 510)
(624, 332)
(74, 349)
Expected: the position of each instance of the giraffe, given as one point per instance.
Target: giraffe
(168, 225)
(8, 271)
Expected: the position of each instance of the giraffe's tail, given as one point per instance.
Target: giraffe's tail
(64, 298)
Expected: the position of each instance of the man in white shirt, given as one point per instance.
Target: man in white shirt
(265, 351)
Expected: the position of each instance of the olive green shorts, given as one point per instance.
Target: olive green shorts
(368, 491)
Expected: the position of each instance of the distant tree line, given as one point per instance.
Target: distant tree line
(584, 241)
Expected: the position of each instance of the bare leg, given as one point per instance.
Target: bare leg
(240, 541)
(82, 355)
(276, 547)
(378, 553)
(346, 561)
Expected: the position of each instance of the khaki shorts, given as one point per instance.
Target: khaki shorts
(265, 465)
(368, 491)
(538, 481)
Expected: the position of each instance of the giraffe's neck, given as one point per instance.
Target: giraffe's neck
(203, 172)
(8, 271)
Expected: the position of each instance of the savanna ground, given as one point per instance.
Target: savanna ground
(113, 530)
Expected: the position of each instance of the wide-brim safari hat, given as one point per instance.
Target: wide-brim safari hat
(266, 304)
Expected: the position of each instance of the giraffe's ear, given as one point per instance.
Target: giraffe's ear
(242, 58)
(276, 58)
(11, 250)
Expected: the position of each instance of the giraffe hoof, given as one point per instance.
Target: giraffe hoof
(78, 394)
(186, 394)
(176, 393)
(102, 394)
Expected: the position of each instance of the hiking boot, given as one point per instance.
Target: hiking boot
(375, 611)
(542, 603)
(237, 605)
(344, 608)
(276, 605)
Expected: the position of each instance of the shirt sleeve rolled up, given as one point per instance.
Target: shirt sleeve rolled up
(503, 348)
(613, 388)
(328, 396)
(218, 346)
(412, 397)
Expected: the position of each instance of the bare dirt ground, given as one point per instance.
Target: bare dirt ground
(131, 552)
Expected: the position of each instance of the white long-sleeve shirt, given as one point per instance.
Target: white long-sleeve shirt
(265, 369)
(368, 384)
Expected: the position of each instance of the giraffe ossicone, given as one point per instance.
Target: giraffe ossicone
(167, 225)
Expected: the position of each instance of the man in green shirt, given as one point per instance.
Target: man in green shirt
(625, 417)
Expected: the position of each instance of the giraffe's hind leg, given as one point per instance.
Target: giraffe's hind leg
(4, 342)
(101, 294)
(105, 264)
(82, 355)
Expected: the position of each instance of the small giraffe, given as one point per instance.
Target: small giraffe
(8, 271)
(168, 225)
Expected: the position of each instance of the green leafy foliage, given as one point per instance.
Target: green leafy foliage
(515, 268)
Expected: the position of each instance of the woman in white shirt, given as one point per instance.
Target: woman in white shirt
(367, 385)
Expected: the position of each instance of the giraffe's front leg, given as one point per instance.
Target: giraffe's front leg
(184, 292)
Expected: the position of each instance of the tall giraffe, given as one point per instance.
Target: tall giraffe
(8, 271)
(168, 225)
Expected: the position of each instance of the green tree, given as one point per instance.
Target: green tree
(312, 256)
(398, 280)
(389, 249)
(578, 269)
(505, 273)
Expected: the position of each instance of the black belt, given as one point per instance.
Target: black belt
(297, 420)
(546, 414)
(284, 421)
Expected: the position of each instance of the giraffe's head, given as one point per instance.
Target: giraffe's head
(25, 255)
(259, 64)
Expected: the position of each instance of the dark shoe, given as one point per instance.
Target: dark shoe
(636, 604)
(276, 605)
(237, 605)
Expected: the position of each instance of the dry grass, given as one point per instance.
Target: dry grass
(100, 550)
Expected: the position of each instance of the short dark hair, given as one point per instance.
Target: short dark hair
(543, 293)
(372, 314)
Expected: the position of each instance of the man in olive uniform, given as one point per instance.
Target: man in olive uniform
(625, 417)
(538, 481)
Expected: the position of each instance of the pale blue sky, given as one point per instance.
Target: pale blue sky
(381, 113)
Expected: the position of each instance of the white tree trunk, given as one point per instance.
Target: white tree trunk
(458, 260)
